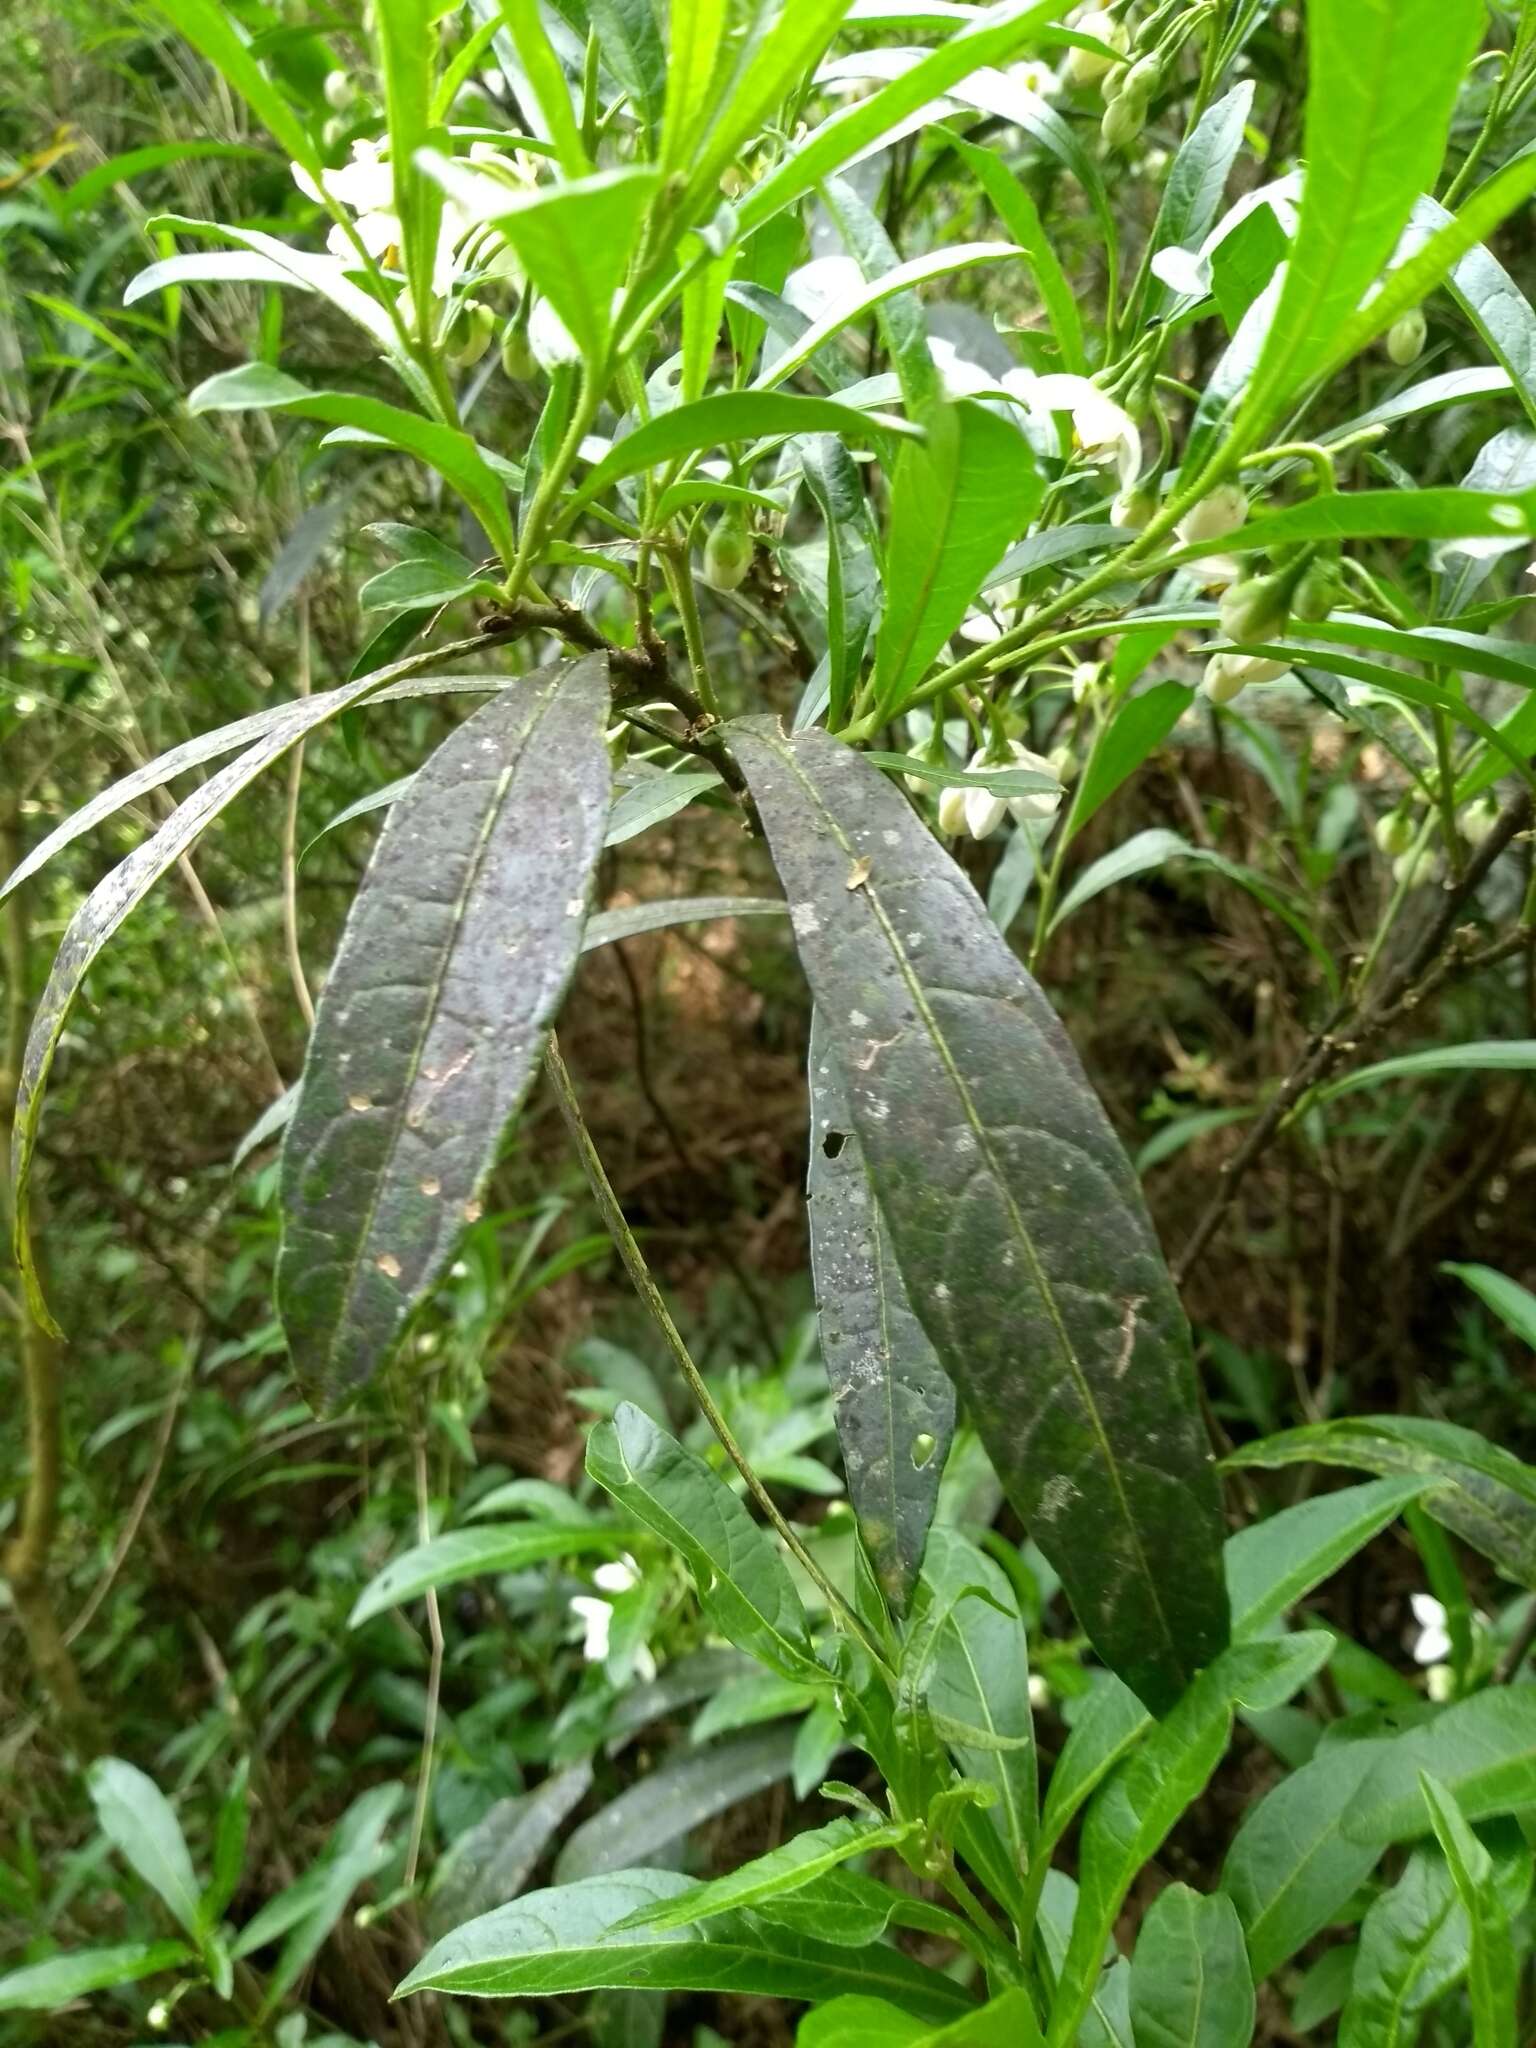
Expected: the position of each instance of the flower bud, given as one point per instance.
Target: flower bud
(919, 785)
(1087, 67)
(517, 358)
(1413, 869)
(1405, 337)
(727, 555)
(1479, 819)
(1036, 806)
(1062, 763)
(1085, 680)
(1258, 608)
(1394, 834)
(550, 339)
(339, 91)
(1219, 513)
(333, 132)
(952, 810)
(1124, 119)
(1221, 681)
(984, 812)
(1317, 593)
(469, 334)
(1134, 508)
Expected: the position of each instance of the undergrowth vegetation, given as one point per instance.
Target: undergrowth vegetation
(769, 958)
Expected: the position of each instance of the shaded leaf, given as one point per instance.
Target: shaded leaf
(798, 1862)
(895, 1405)
(1017, 1220)
(485, 863)
(1482, 1751)
(140, 1823)
(57, 1980)
(476, 1553)
(1272, 1564)
(1493, 1979)
(1191, 1986)
(1192, 196)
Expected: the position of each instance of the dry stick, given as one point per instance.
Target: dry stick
(1331, 1045)
(650, 1294)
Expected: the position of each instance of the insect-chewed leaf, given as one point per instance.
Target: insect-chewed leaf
(1016, 1217)
(455, 957)
(895, 1403)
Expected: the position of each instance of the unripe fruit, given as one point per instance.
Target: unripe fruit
(1317, 593)
(952, 811)
(1258, 608)
(1124, 119)
(469, 334)
(1394, 834)
(1479, 819)
(727, 555)
(339, 91)
(1412, 870)
(1405, 337)
(1219, 513)
(517, 360)
(1221, 681)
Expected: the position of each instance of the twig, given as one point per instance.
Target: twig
(650, 1294)
(1349, 1027)
(434, 1677)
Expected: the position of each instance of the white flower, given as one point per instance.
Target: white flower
(598, 1618)
(1085, 680)
(952, 810)
(366, 188)
(1038, 806)
(550, 339)
(1440, 1683)
(984, 811)
(1086, 67)
(1434, 1643)
(617, 1577)
(1102, 431)
(1038, 78)
(1226, 675)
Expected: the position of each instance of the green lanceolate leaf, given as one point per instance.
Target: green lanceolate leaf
(1018, 213)
(1107, 1727)
(476, 1553)
(1191, 1986)
(1514, 1305)
(833, 481)
(743, 1581)
(60, 1980)
(956, 503)
(1274, 1563)
(1482, 1750)
(565, 1940)
(784, 1870)
(1138, 726)
(1291, 1868)
(492, 1861)
(1016, 1218)
(895, 1405)
(454, 960)
(1006, 2022)
(138, 1820)
(303, 1914)
(976, 1688)
(1493, 1978)
(1192, 197)
(1486, 1495)
(1134, 1810)
(1382, 79)
(1415, 1943)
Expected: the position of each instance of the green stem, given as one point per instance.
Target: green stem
(650, 1294)
(680, 577)
(552, 482)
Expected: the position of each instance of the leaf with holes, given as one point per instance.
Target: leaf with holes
(1017, 1220)
(895, 1404)
(453, 963)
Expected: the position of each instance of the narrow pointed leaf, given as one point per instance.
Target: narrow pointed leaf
(1191, 1986)
(956, 502)
(477, 1553)
(1274, 1563)
(1192, 197)
(453, 963)
(1017, 1220)
(139, 1821)
(1482, 1750)
(1106, 1729)
(797, 1863)
(1486, 1495)
(59, 1980)
(1493, 1978)
(565, 1940)
(635, 918)
(743, 1581)
(895, 1404)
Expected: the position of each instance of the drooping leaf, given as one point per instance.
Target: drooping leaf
(1291, 1868)
(1191, 1986)
(1133, 1812)
(140, 1823)
(59, 1980)
(493, 1861)
(956, 502)
(1514, 1305)
(1485, 1495)
(673, 1798)
(1491, 1055)
(446, 449)
(1382, 80)
(1482, 1750)
(852, 586)
(477, 1553)
(798, 1862)
(1016, 1218)
(459, 945)
(1273, 1563)
(895, 1405)
(565, 1940)
(743, 1582)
